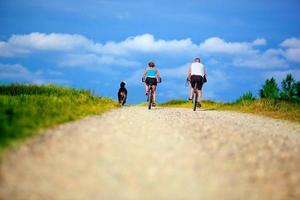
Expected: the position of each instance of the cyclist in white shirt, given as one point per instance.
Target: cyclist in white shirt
(196, 73)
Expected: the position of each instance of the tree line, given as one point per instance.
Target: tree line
(289, 91)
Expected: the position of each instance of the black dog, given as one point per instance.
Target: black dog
(122, 94)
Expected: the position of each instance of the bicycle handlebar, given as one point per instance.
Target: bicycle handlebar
(158, 79)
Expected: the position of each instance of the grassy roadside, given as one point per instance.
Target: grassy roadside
(270, 108)
(25, 109)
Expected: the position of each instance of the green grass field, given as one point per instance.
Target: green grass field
(271, 108)
(25, 109)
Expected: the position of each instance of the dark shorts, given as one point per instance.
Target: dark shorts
(151, 81)
(197, 79)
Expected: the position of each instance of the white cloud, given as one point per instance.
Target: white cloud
(146, 43)
(291, 43)
(292, 49)
(293, 55)
(7, 50)
(53, 41)
(19, 73)
(25, 44)
(271, 58)
(93, 61)
(4, 50)
(218, 45)
(79, 51)
(264, 60)
(259, 42)
(15, 72)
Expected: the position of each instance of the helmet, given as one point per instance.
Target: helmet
(151, 64)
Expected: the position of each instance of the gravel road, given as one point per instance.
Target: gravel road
(165, 153)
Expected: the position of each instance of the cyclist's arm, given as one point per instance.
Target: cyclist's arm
(144, 74)
(189, 72)
(157, 73)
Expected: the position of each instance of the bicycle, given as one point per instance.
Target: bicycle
(150, 92)
(195, 95)
(150, 96)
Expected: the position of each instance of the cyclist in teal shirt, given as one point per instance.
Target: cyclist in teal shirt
(150, 76)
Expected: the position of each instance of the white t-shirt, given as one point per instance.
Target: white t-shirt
(197, 69)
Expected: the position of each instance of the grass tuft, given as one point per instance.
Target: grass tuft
(271, 108)
(25, 109)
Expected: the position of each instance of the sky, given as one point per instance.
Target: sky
(96, 44)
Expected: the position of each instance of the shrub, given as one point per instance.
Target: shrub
(248, 96)
(270, 89)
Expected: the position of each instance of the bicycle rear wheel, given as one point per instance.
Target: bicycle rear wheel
(150, 98)
(195, 98)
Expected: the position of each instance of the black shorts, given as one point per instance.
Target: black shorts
(151, 81)
(197, 79)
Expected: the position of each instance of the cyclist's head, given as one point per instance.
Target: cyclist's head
(197, 60)
(151, 64)
(122, 84)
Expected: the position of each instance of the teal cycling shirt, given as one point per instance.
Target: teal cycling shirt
(151, 73)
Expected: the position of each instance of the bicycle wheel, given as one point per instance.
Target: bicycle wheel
(195, 97)
(150, 97)
(195, 100)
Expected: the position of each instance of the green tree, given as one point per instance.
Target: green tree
(288, 91)
(269, 90)
(297, 91)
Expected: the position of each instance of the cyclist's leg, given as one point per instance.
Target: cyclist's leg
(200, 84)
(191, 92)
(147, 88)
(154, 93)
(199, 95)
(193, 82)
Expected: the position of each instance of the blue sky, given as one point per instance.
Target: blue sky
(94, 44)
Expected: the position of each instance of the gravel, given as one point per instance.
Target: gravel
(164, 153)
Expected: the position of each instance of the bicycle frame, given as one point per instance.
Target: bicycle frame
(150, 91)
(195, 97)
(195, 93)
(150, 96)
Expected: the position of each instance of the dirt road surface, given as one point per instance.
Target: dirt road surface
(165, 153)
